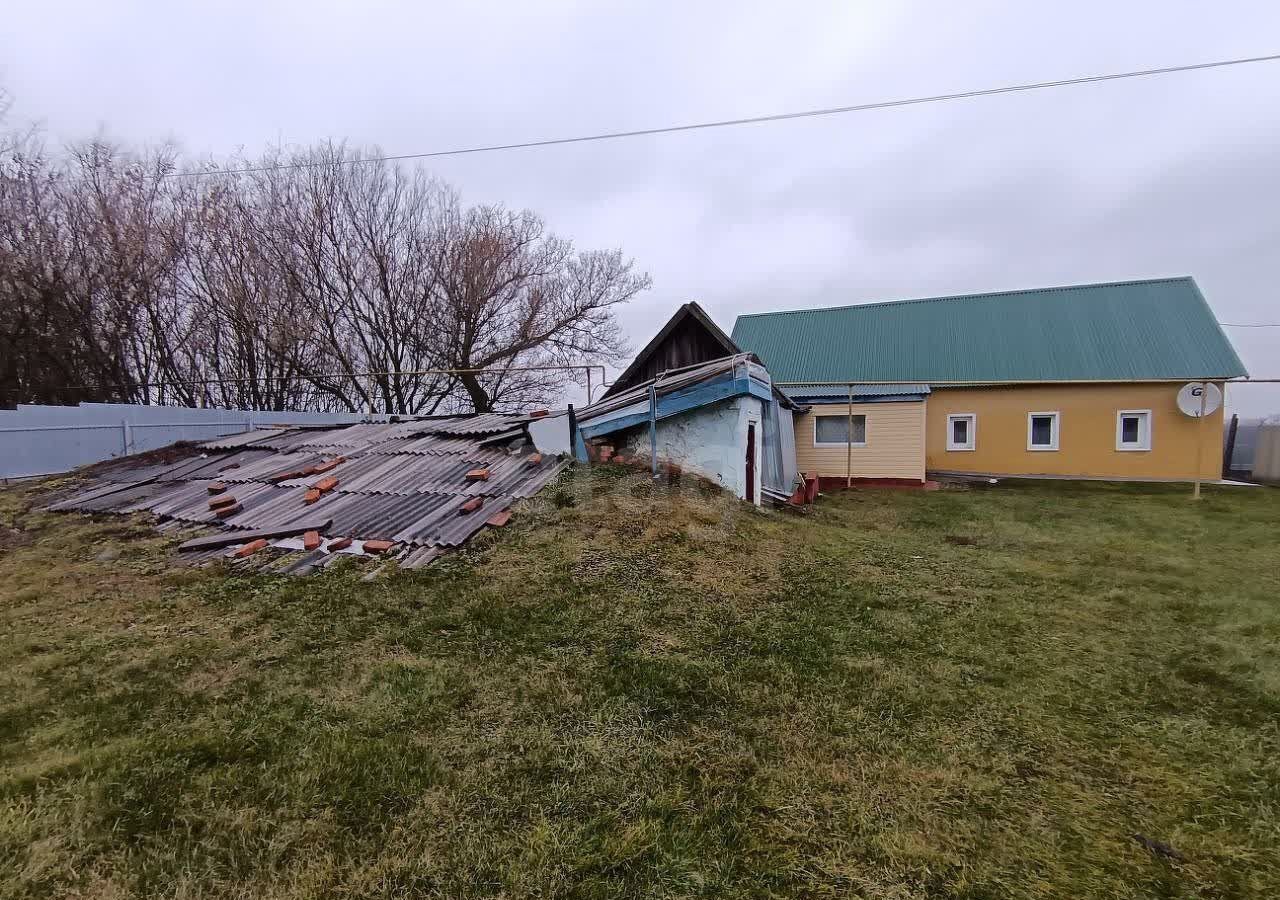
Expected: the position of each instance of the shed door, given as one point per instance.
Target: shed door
(751, 462)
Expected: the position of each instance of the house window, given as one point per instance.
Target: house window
(962, 431)
(1133, 429)
(834, 431)
(1042, 431)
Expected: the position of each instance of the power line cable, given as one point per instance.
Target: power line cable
(754, 120)
(1250, 325)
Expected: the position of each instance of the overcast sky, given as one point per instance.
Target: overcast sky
(1163, 176)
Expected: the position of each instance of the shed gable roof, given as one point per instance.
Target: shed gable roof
(1119, 331)
(703, 342)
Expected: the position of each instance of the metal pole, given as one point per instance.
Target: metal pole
(588, 387)
(653, 430)
(1204, 390)
(1230, 451)
(848, 450)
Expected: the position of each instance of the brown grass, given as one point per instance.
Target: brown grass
(634, 691)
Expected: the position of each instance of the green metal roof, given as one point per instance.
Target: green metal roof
(827, 390)
(1122, 331)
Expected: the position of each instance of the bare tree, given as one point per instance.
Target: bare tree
(278, 288)
(509, 294)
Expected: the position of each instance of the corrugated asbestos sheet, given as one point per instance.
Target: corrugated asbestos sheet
(403, 482)
(1160, 329)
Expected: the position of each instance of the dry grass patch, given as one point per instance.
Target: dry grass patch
(635, 690)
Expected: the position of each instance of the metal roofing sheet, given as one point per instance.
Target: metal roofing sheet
(433, 444)
(1158, 329)
(235, 441)
(410, 491)
(837, 391)
(669, 382)
(349, 439)
(262, 466)
(472, 426)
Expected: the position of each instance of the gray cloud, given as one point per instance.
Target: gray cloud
(1176, 175)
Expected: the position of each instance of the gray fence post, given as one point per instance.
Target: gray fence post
(126, 437)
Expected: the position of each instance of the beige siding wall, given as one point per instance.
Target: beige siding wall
(894, 448)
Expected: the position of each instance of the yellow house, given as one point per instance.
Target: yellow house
(1078, 382)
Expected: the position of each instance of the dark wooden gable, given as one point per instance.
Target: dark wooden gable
(689, 338)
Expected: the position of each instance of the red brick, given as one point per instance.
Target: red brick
(219, 502)
(535, 459)
(620, 460)
(321, 468)
(604, 453)
(217, 487)
(229, 467)
(811, 485)
(478, 475)
(310, 540)
(498, 519)
(227, 512)
(378, 546)
(338, 544)
(324, 485)
(539, 413)
(251, 548)
(288, 476)
(471, 505)
(311, 496)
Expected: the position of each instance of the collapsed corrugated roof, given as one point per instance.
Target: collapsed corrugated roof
(404, 482)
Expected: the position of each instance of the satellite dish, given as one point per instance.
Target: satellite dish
(1192, 395)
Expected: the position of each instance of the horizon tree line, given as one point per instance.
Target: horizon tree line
(130, 276)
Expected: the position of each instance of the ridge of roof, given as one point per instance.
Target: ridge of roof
(970, 296)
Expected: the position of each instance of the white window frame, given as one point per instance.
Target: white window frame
(973, 431)
(865, 425)
(1144, 433)
(1055, 431)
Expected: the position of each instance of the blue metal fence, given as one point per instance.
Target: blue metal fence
(46, 440)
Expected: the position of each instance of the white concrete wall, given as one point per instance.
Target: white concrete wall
(710, 441)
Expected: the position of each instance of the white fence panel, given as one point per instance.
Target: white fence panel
(1266, 454)
(46, 440)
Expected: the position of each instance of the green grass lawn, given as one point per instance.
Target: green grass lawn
(635, 691)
